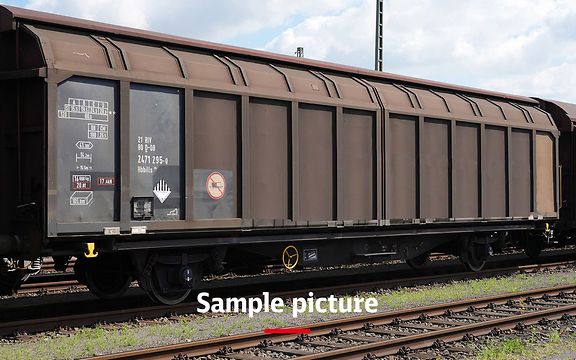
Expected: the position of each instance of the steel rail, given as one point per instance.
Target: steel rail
(244, 341)
(390, 347)
(90, 318)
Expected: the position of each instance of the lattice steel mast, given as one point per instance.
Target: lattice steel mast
(379, 48)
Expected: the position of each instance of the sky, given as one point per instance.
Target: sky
(525, 47)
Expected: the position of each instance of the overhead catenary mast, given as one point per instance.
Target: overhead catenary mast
(299, 52)
(379, 48)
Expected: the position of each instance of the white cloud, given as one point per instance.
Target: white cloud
(520, 46)
(208, 20)
(555, 82)
(133, 13)
(346, 37)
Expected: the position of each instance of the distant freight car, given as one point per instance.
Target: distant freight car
(564, 115)
(159, 158)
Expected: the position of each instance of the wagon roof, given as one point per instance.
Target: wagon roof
(570, 109)
(10, 15)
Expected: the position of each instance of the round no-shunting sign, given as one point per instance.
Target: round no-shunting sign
(216, 185)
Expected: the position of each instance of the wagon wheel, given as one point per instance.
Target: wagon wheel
(107, 284)
(418, 261)
(533, 246)
(473, 255)
(160, 295)
(167, 297)
(106, 276)
(9, 282)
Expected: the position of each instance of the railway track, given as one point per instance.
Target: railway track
(48, 265)
(49, 282)
(52, 282)
(127, 313)
(382, 334)
(53, 286)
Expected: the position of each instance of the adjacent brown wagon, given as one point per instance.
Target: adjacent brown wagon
(172, 157)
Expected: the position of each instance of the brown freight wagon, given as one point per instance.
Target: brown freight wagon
(170, 158)
(564, 115)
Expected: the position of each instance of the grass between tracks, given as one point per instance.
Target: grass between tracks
(105, 339)
(553, 346)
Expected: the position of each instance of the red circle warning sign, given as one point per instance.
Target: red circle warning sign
(216, 185)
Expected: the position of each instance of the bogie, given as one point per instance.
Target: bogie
(107, 276)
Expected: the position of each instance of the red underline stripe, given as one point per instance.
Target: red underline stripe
(287, 331)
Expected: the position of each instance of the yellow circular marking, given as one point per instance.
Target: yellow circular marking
(290, 257)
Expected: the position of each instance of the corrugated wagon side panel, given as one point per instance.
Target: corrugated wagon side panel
(32, 162)
(155, 154)
(358, 165)
(403, 177)
(521, 173)
(435, 169)
(269, 138)
(87, 151)
(316, 142)
(545, 150)
(8, 152)
(466, 176)
(494, 190)
(216, 156)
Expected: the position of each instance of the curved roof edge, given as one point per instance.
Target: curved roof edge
(9, 15)
(563, 113)
(569, 108)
